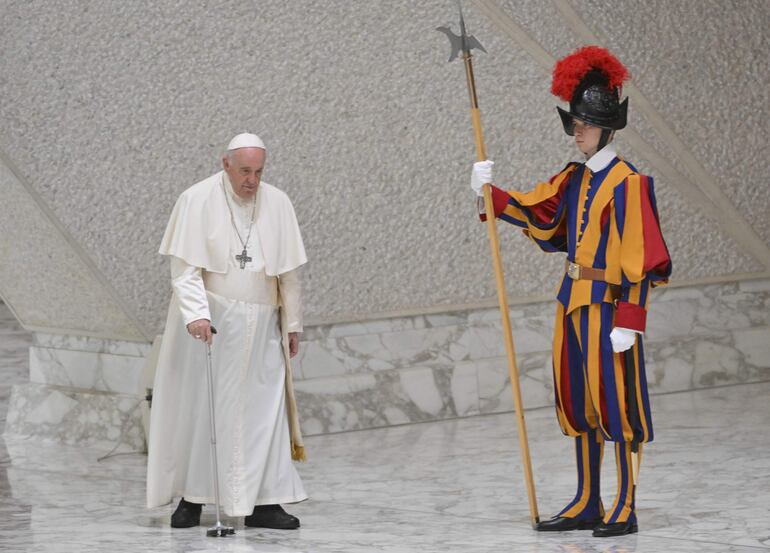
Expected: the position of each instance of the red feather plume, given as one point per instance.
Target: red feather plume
(569, 71)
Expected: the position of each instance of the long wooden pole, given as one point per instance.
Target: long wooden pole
(502, 298)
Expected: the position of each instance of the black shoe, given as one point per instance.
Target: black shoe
(564, 524)
(271, 516)
(616, 529)
(186, 515)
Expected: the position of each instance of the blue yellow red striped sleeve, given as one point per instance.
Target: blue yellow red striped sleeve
(644, 257)
(540, 212)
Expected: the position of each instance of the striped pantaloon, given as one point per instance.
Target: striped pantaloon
(600, 395)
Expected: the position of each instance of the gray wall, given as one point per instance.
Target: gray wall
(110, 109)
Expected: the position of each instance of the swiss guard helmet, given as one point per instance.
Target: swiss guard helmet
(591, 80)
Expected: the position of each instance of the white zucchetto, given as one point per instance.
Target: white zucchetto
(245, 140)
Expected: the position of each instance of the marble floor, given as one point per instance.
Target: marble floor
(442, 486)
(450, 486)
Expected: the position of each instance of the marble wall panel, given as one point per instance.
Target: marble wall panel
(535, 381)
(14, 357)
(422, 339)
(75, 417)
(430, 367)
(395, 371)
(89, 343)
(382, 398)
(86, 370)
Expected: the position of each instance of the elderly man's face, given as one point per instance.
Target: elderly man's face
(244, 167)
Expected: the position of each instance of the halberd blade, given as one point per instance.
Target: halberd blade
(473, 43)
(455, 41)
(462, 42)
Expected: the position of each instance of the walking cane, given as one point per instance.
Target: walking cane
(465, 43)
(219, 530)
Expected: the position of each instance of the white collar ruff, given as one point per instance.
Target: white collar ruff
(602, 158)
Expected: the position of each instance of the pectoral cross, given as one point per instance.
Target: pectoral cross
(243, 258)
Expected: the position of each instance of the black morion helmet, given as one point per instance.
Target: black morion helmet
(591, 79)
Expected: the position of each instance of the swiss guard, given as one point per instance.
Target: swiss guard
(602, 214)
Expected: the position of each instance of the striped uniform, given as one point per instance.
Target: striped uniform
(604, 220)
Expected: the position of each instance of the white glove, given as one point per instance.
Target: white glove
(482, 174)
(622, 339)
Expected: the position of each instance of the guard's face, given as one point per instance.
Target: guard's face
(244, 168)
(587, 137)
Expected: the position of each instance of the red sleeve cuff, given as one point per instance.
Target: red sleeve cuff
(631, 316)
(499, 201)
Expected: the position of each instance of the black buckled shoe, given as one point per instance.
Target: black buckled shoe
(616, 529)
(565, 524)
(271, 516)
(186, 515)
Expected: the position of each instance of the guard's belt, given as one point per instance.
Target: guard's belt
(576, 272)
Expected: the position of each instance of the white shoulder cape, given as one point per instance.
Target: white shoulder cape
(199, 230)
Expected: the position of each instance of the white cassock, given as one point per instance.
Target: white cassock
(253, 308)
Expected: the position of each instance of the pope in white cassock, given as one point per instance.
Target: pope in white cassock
(235, 248)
